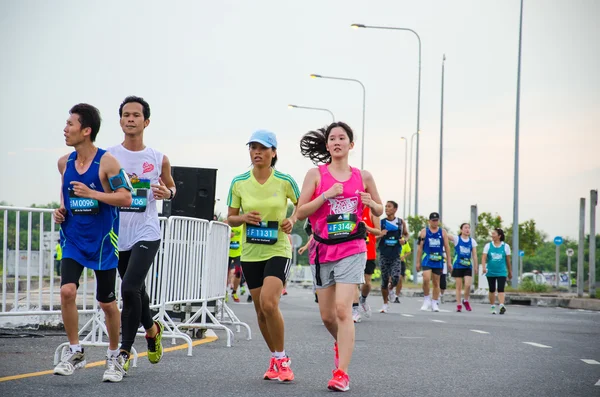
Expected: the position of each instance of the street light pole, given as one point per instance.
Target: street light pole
(410, 173)
(441, 212)
(515, 243)
(311, 108)
(405, 169)
(362, 145)
(356, 25)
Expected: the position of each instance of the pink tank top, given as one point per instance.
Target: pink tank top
(337, 217)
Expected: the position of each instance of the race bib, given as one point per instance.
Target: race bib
(234, 245)
(83, 206)
(340, 225)
(435, 257)
(390, 242)
(265, 233)
(465, 262)
(139, 200)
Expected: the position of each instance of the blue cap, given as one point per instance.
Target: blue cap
(265, 138)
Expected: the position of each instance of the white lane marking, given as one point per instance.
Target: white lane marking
(479, 331)
(537, 345)
(438, 321)
(411, 337)
(407, 315)
(445, 311)
(588, 361)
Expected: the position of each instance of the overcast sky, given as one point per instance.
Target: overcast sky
(213, 72)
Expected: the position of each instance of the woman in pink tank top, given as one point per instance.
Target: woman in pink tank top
(333, 197)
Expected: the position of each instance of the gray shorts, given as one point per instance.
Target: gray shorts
(349, 270)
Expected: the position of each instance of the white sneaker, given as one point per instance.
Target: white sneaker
(392, 295)
(384, 308)
(69, 362)
(114, 371)
(426, 305)
(366, 309)
(356, 315)
(435, 307)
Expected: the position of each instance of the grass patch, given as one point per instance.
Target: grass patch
(528, 285)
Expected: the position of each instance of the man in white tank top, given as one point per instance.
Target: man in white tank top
(139, 232)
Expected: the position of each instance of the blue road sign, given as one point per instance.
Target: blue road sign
(558, 240)
(521, 253)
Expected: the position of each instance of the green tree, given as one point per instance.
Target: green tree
(486, 222)
(530, 239)
(415, 225)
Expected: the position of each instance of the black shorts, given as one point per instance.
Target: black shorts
(468, 272)
(439, 271)
(501, 281)
(234, 262)
(403, 268)
(256, 272)
(70, 273)
(370, 266)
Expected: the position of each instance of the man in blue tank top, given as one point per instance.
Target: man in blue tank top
(93, 186)
(433, 241)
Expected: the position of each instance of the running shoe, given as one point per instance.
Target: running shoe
(339, 382)
(502, 309)
(242, 290)
(336, 358)
(396, 299)
(366, 309)
(69, 362)
(285, 372)
(316, 298)
(249, 300)
(114, 371)
(467, 305)
(125, 360)
(392, 295)
(493, 309)
(235, 297)
(272, 373)
(435, 307)
(356, 315)
(384, 308)
(284, 292)
(459, 308)
(155, 347)
(426, 305)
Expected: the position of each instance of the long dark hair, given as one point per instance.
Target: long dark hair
(461, 226)
(500, 233)
(313, 144)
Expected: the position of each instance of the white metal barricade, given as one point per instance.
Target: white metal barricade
(192, 276)
(482, 285)
(301, 275)
(214, 284)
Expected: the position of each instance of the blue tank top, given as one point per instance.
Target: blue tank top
(462, 257)
(89, 233)
(433, 249)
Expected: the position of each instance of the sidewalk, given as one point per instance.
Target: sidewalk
(565, 300)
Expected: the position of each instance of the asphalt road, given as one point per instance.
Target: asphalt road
(405, 352)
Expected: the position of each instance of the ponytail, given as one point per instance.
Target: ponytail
(313, 145)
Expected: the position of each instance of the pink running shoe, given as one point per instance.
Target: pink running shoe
(459, 308)
(467, 305)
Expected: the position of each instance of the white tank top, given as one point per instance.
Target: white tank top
(140, 221)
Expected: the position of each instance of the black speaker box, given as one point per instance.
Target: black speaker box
(195, 192)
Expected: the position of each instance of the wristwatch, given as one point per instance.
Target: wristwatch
(172, 194)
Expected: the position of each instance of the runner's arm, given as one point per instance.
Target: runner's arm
(447, 246)
(475, 265)
(420, 249)
(306, 206)
(167, 178)
(109, 167)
